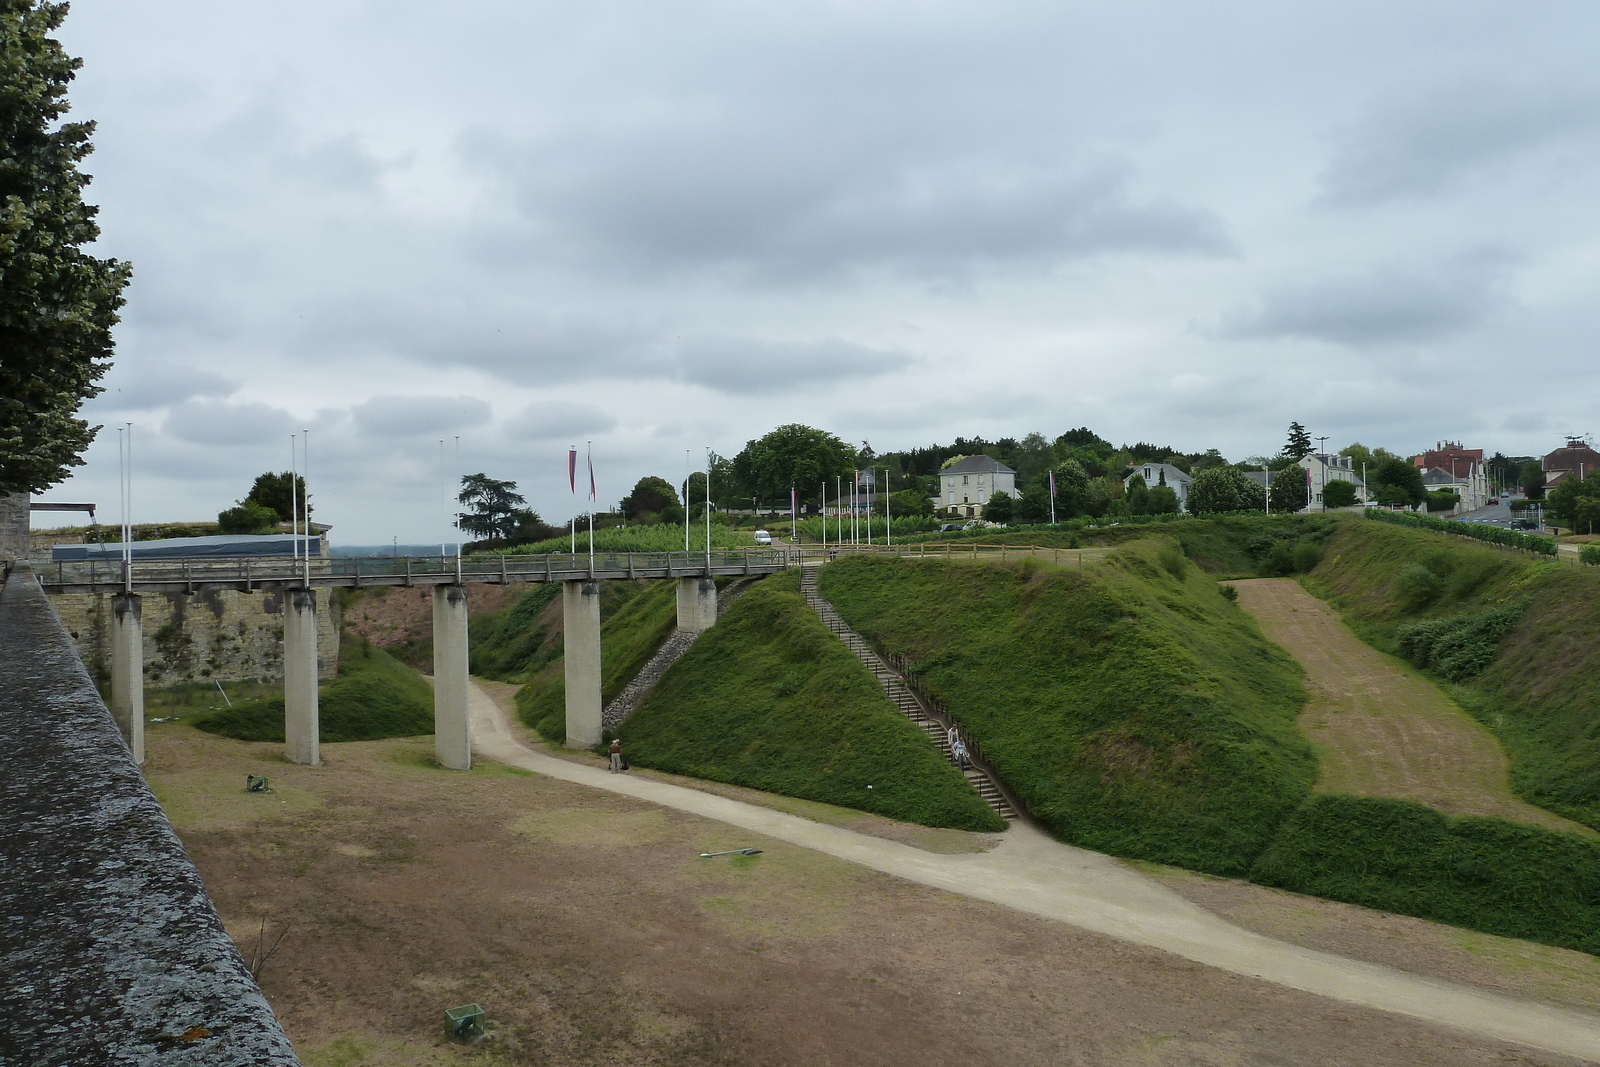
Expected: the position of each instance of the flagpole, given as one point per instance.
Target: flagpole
(708, 510)
(888, 530)
(686, 502)
(1052, 498)
(572, 484)
(822, 497)
(589, 455)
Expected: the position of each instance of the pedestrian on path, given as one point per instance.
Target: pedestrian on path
(952, 736)
(616, 755)
(959, 751)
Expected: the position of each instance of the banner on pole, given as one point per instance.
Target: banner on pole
(572, 469)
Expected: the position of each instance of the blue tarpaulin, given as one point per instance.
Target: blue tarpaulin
(195, 547)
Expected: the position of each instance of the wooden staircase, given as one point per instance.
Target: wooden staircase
(913, 706)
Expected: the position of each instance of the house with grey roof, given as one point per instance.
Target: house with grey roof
(967, 484)
(1166, 474)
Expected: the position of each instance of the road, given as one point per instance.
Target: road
(1032, 873)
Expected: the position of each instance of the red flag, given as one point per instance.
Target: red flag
(1052, 483)
(794, 502)
(592, 495)
(572, 469)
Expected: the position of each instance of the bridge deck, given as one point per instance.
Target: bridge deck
(249, 574)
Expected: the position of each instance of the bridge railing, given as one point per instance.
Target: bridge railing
(187, 574)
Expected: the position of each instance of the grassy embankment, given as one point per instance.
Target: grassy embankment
(769, 699)
(374, 696)
(1132, 707)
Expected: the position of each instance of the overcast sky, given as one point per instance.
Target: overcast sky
(662, 225)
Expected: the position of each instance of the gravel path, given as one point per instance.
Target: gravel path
(1033, 873)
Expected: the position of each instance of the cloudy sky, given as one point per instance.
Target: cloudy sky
(667, 226)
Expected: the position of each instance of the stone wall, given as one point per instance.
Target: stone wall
(215, 635)
(13, 526)
(111, 952)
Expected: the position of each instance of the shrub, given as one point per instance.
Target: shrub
(1460, 646)
(1484, 874)
(1339, 494)
(247, 518)
(1417, 586)
(1590, 554)
(1170, 556)
(1443, 500)
(1279, 561)
(1481, 531)
(1229, 592)
(1306, 555)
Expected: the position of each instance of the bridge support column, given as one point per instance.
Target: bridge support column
(580, 602)
(697, 603)
(301, 725)
(452, 721)
(127, 670)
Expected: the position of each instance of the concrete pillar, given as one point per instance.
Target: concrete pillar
(14, 524)
(127, 670)
(697, 603)
(452, 723)
(301, 725)
(580, 602)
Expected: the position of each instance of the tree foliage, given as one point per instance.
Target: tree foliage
(496, 505)
(284, 493)
(1299, 444)
(795, 456)
(1000, 508)
(1217, 489)
(1575, 504)
(246, 517)
(1339, 493)
(1397, 482)
(1289, 489)
(57, 304)
(651, 496)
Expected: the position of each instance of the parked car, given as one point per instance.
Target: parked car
(1523, 524)
(946, 527)
(763, 538)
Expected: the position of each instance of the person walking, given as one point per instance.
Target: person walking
(952, 735)
(616, 755)
(959, 751)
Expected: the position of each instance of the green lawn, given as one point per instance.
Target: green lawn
(374, 696)
(1133, 708)
(769, 699)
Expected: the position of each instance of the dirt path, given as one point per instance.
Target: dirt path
(1380, 730)
(1031, 873)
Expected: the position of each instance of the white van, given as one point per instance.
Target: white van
(763, 538)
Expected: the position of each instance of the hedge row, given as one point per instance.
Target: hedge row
(1480, 873)
(1544, 546)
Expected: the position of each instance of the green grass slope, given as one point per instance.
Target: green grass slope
(1514, 634)
(635, 618)
(374, 696)
(1133, 708)
(769, 699)
(509, 645)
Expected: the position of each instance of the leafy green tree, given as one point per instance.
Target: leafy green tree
(1299, 443)
(1533, 480)
(1208, 459)
(1072, 490)
(1364, 458)
(1034, 503)
(1443, 500)
(794, 455)
(247, 517)
(1163, 501)
(909, 502)
(1137, 496)
(57, 304)
(651, 496)
(496, 505)
(274, 491)
(1575, 504)
(1397, 481)
(1000, 508)
(1289, 489)
(1339, 494)
(1224, 489)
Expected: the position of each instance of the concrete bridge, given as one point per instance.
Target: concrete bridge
(296, 580)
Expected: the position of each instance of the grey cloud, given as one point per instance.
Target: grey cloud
(135, 384)
(1418, 141)
(745, 366)
(206, 422)
(412, 416)
(1381, 305)
(559, 419)
(768, 206)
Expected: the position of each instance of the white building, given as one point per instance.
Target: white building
(1155, 474)
(1325, 468)
(967, 484)
(1468, 481)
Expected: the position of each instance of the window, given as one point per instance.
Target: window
(963, 479)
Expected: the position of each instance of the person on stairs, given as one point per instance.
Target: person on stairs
(959, 752)
(952, 735)
(616, 755)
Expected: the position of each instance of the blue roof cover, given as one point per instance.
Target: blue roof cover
(220, 545)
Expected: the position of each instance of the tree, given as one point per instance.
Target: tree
(1533, 480)
(1575, 504)
(1397, 482)
(1210, 458)
(1034, 503)
(1137, 496)
(1299, 444)
(57, 304)
(793, 456)
(247, 517)
(1000, 508)
(1072, 490)
(496, 507)
(1224, 489)
(1163, 501)
(908, 502)
(274, 491)
(1289, 488)
(651, 496)
(1339, 493)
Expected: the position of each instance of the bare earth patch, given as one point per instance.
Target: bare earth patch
(592, 933)
(1379, 729)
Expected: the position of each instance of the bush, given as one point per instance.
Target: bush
(1279, 561)
(1229, 592)
(1480, 531)
(247, 518)
(1443, 500)
(1590, 554)
(1339, 494)
(1417, 586)
(1458, 647)
(1306, 555)
(1484, 874)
